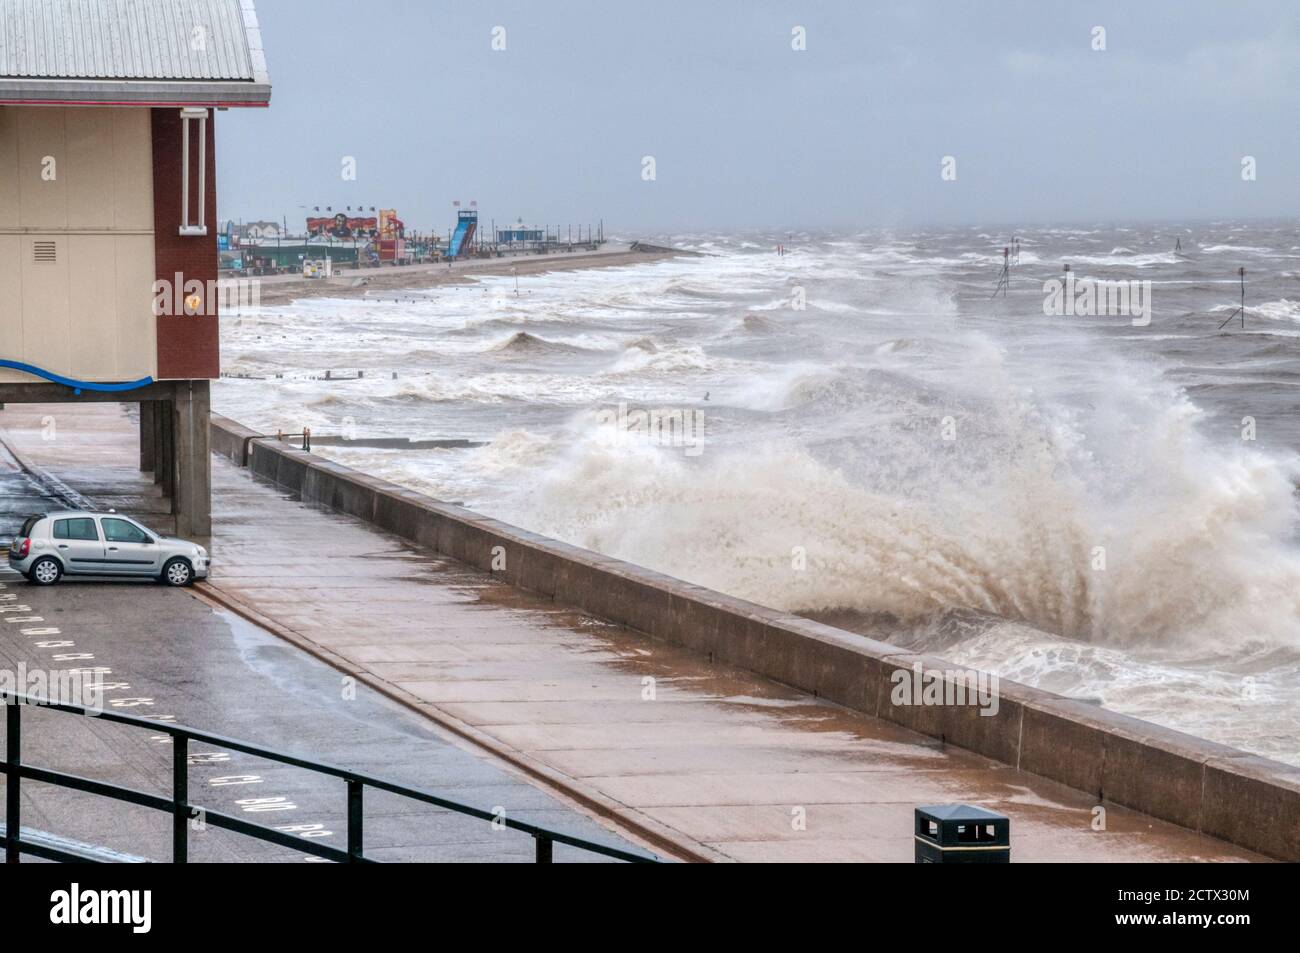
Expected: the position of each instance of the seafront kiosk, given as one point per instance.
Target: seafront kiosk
(108, 214)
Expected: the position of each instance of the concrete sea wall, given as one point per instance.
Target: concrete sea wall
(1242, 798)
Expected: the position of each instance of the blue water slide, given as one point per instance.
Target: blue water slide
(458, 238)
(466, 223)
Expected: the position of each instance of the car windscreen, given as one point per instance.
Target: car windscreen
(28, 524)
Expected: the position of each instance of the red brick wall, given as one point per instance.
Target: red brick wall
(188, 345)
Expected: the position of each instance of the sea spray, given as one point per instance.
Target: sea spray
(1120, 526)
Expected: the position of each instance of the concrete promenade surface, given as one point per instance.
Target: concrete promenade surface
(697, 759)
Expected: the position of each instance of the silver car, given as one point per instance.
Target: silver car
(102, 544)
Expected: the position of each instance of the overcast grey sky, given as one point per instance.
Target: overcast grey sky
(746, 131)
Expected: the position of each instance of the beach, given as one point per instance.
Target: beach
(363, 282)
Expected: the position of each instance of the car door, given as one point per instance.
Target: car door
(128, 549)
(77, 541)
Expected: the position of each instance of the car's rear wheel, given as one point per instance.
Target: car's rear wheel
(46, 571)
(178, 572)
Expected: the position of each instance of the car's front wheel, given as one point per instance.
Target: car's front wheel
(46, 571)
(177, 572)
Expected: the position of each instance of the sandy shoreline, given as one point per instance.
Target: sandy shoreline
(280, 290)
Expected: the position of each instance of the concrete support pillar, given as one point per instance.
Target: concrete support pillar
(147, 410)
(192, 495)
(158, 416)
(164, 473)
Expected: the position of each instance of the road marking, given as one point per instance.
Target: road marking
(232, 779)
(64, 644)
(306, 830)
(73, 657)
(209, 757)
(258, 805)
(48, 630)
(130, 702)
(25, 618)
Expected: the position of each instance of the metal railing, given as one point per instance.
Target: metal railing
(281, 436)
(183, 811)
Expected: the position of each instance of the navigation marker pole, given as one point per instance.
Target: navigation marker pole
(1004, 278)
(1241, 272)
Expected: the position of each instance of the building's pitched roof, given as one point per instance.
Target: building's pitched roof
(162, 52)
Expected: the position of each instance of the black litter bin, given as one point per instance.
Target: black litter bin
(961, 834)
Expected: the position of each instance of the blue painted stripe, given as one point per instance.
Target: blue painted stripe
(77, 386)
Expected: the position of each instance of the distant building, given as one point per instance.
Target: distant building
(107, 195)
(262, 231)
(518, 233)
